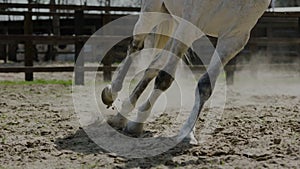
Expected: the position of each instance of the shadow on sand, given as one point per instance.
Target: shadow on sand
(81, 143)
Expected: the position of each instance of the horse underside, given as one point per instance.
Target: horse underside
(185, 22)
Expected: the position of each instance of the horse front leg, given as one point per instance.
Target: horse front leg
(143, 27)
(110, 92)
(120, 120)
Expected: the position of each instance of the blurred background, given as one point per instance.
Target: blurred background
(39, 33)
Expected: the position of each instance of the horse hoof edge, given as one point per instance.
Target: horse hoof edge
(106, 96)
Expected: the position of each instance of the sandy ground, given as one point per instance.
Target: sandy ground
(260, 128)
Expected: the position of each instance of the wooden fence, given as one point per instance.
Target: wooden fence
(264, 35)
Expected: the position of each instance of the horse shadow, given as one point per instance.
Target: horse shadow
(80, 142)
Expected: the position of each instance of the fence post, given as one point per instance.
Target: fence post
(254, 48)
(55, 30)
(79, 61)
(107, 60)
(28, 29)
(3, 53)
(12, 52)
(299, 45)
(107, 71)
(3, 50)
(269, 35)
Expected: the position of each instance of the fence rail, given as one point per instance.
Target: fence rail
(68, 7)
(28, 69)
(37, 39)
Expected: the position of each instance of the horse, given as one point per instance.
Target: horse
(229, 21)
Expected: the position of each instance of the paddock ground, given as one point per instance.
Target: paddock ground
(260, 128)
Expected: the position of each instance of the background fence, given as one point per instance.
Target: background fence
(277, 35)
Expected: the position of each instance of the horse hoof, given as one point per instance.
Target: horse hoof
(134, 128)
(107, 96)
(118, 121)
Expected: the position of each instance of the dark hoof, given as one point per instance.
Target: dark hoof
(118, 121)
(106, 96)
(134, 128)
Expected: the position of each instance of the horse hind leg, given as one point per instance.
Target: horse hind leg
(160, 39)
(163, 33)
(227, 48)
(165, 77)
(162, 82)
(128, 105)
(120, 120)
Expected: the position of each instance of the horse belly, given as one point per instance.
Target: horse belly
(217, 17)
(217, 23)
(209, 20)
(231, 17)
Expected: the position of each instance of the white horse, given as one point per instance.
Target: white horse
(229, 20)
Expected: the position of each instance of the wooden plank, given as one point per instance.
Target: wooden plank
(99, 8)
(63, 14)
(19, 13)
(123, 9)
(282, 14)
(35, 69)
(21, 69)
(272, 40)
(200, 68)
(37, 39)
(68, 7)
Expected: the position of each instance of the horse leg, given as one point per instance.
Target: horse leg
(163, 81)
(128, 104)
(166, 75)
(110, 92)
(163, 31)
(120, 120)
(227, 47)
